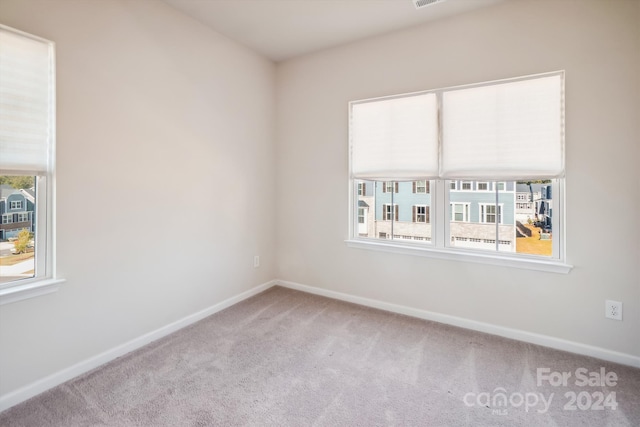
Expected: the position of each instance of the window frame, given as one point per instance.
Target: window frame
(45, 278)
(392, 215)
(441, 219)
(421, 189)
(466, 211)
(393, 184)
(482, 214)
(425, 214)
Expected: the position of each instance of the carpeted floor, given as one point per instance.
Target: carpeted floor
(288, 358)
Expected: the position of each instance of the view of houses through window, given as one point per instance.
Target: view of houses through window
(27, 164)
(17, 227)
(505, 216)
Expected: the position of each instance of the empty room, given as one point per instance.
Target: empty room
(319, 212)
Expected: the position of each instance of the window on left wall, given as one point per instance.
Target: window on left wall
(27, 165)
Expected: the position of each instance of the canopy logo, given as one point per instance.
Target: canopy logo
(499, 400)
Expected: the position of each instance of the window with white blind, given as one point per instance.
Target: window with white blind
(463, 153)
(27, 165)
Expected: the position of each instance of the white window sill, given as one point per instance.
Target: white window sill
(462, 255)
(32, 289)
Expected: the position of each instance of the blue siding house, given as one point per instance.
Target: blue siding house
(17, 208)
(482, 214)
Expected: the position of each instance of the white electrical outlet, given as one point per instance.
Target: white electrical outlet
(256, 261)
(613, 310)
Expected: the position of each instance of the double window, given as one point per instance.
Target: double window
(490, 214)
(27, 141)
(455, 161)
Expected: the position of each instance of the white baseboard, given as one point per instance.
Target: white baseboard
(20, 395)
(539, 339)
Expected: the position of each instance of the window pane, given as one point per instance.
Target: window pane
(533, 214)
(394, 211)
(17, 228)
(473, 217)
(519, 222)
(421, 186)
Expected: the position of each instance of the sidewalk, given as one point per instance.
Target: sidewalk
(18, 269)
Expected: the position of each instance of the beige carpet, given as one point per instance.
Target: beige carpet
(286, 358)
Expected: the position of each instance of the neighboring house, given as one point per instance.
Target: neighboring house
(403, 212)
(17, 208)
(534, 204)
(526, 196)
(544, 209)
(366, 209)
(474, 214)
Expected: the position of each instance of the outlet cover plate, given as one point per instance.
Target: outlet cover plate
(613, 310)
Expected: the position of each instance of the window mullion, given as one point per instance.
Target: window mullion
(440, 224)
(497, 219)
(557, 222)
(393, 209)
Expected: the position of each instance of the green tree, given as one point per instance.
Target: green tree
(17, 182)
(21, 244)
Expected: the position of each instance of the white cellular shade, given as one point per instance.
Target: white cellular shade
(26, 103)
(505, 131)
(395, 138)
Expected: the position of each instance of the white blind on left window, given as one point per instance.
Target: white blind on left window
(26, 103)
(395, 138)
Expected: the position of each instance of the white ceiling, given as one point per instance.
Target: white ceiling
(282, 29)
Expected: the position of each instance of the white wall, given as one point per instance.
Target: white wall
(165, 178)
(598, 44)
